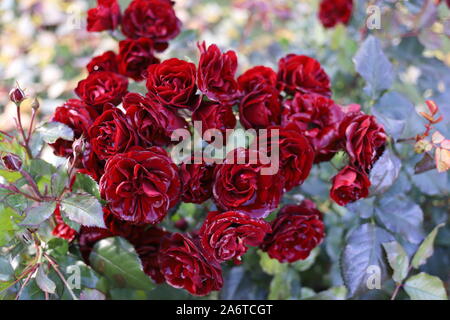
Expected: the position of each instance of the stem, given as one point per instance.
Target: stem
(60, 275)
(30, 129)
(6, 134)
(26, 281)
(399, 285)
(32, 183)
(15, 190)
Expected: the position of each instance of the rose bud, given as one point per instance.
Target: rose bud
(17, 95)
(296, 231)
(227, 235)
(182, 224)
(349, 185)
(12, 162)
(184, 265)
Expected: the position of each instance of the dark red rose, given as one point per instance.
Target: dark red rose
(105, 62)
(227, 235)
(102, 87)
(216, 73)
(172, 82)
(135, 56)
(260, 108)
(185, 266)
(215, 115)
(318, 118)
(153, 19)
(62, 230)
(295, 152)
(111, 133)
(448, 3)
(197, 180)
(79, 117)
(364, 139)
(296, 231)
(153, 123)
(302, 74)
(257, 77)
(106, 16)
(349, 185)
(332, 12)
(140, 186)
(12, 162)
(242, 185)
(88, 237)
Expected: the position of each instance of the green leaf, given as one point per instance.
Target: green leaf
(363, 250)
(425, 287)
(336, 293)
(398, 260)
(271, 266)
(92, 294)
(426, 248)
(117, 260)
(59, 181)
(384, 172)
(7, 225)
(303, 265)
(10, 176)
(52, 131)
(84, 209)
(44, 282)
(401, 216)
(6, 270)
(85, 183)
(373, 65)
(38, 214)
(284, 285)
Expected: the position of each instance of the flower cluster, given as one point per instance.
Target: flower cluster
(124, 137)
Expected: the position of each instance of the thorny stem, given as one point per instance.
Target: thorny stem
(60, 275)
(15, 190)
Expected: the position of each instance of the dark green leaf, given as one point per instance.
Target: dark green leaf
(44, 282)
(117, 260)
(85, 183)
(426, 248)
(398, 260)
(384, 172)
(39, 213)
(363, 250)
(84, 209)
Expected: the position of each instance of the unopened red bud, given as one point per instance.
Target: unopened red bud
(17, 95)
(12, 162)
(78, 147)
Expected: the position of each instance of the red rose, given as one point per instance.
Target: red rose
(184, 265)
(105, 62)
(296, 153)
(102, 87)
(332, 12)
(260, 108)
(227, 235)
(12, 162)
(135, 56)
(173, 83)
(140, 186)
(154, 19)
(106, 16)
(302, 74)
(364, 139)
(216, 73)
(256, 78)
(79, 117)
(153, 123)
(349, 185)
(243, 187)
(215, 115)
(197, 180)
(296, 231)
(111, 133)
(318, 118)
(62, 230)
